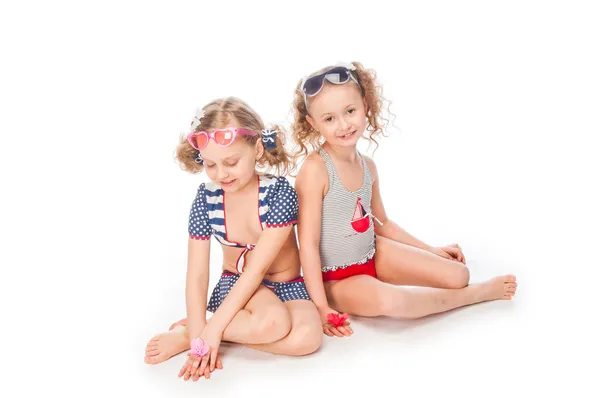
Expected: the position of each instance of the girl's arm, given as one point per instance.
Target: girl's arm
(283, 203)
(196, 282)
(310, 185)
(390, 229)
(196, 285)
(268, 246)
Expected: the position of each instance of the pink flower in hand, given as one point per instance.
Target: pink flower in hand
(198, 349)
(337, 320)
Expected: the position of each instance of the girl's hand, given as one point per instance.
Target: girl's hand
(451, 252)
(341, 327)
(206, 364)
(198, 366)
(186, 370)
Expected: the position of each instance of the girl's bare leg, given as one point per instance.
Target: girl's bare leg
(263, 320)
(306, 334)
(366, 296)
(400, 264)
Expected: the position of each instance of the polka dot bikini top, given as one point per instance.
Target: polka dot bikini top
(277, 207)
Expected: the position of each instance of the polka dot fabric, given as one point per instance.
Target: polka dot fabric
(221, 291)
(198, 227)
(285, 291)
(283, 205)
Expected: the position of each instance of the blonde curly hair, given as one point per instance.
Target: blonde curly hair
(308, 139)
(232, 111)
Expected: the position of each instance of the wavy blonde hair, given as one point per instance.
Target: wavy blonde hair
(308, 139)
(232, 111)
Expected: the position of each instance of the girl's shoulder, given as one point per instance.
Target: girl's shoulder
(371, 165)
(314, 163)
(313, 171)
(280, 201)
(271, 187)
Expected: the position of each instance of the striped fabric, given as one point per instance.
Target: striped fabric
(347, 230)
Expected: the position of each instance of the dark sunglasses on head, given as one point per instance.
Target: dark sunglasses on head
(337, 75)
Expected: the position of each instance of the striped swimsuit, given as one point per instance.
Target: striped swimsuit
(347, 244)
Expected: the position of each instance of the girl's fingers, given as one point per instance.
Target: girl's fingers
(195, 364)
(334, 330)
(183, 370)
(213, 360)
(344, 330)
(204, 362)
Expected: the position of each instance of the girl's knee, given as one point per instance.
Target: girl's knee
(273, 325)
(305, 338)
(397, 303)
(459, 278)
(387, 302)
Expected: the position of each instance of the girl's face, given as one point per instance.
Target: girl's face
(338, 112)
(231, 167)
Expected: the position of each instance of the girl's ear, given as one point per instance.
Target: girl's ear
(311, 121)
(259, 148)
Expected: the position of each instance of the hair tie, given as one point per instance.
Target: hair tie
(197, 119)
(268, 138)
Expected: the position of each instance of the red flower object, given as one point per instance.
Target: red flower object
(337, 320)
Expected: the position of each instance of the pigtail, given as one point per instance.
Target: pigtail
(305, 137)
(372, 94)
(275, 154)
(187, 157)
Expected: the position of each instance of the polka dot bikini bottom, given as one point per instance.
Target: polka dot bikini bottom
(286, 291)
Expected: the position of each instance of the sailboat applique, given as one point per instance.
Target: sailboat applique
(360, 220)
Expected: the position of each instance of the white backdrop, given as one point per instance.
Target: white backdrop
(497, 109)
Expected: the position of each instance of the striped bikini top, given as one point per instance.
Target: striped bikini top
(347, 230)
(277, 204)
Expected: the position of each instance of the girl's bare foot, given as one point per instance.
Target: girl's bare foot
(165, 345)
(499, 288)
